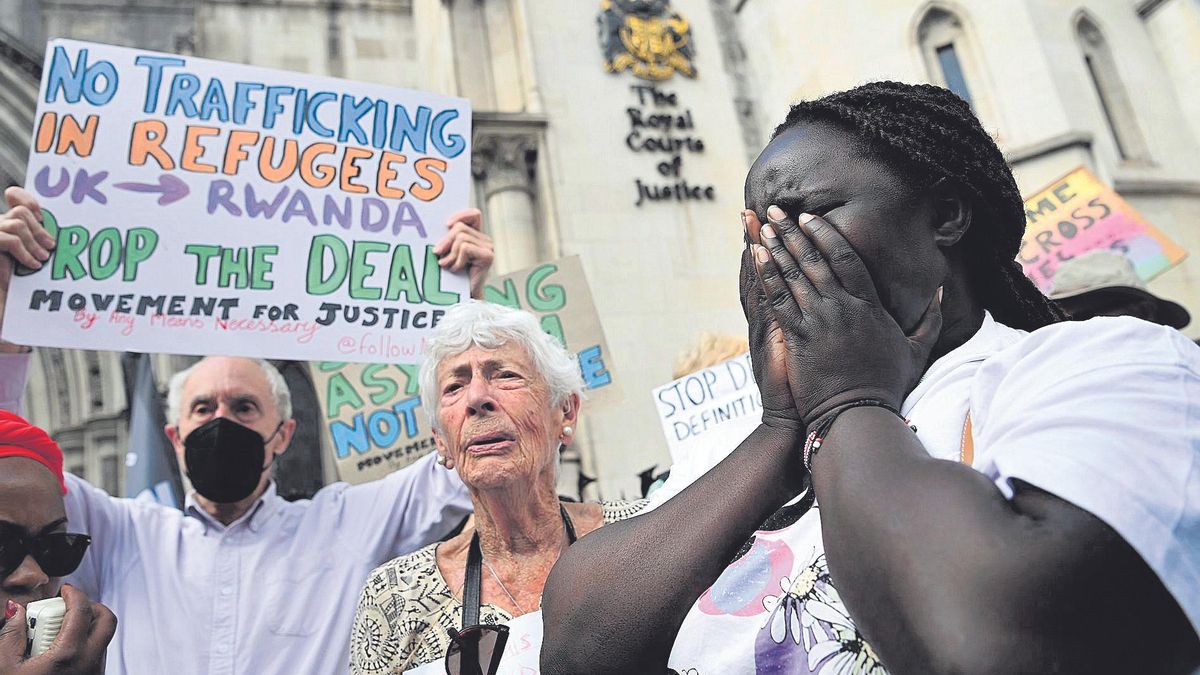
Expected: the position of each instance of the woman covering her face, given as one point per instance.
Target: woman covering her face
(36, 551)
(504, 397)
(996, 490)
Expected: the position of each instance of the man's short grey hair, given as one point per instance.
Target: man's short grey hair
(490, 326)
(280, 393)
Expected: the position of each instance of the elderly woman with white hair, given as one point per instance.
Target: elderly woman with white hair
(504, 399)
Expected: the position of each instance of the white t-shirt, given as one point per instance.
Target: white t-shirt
(1100, 413)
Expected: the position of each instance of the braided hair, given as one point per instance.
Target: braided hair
(926, 134)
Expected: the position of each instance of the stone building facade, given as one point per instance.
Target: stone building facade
(643, 180)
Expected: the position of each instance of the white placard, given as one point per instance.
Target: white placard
(203, 207)
(710, 411)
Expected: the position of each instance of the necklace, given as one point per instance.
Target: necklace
(503, 587)
(471, 581)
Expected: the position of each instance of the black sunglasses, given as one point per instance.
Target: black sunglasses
(476, 650)
(57, 553)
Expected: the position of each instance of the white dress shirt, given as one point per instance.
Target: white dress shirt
(274, 592)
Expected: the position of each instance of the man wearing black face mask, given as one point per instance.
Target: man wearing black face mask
(225, 460)
(241, 581)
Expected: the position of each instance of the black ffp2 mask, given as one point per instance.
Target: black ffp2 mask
(225, 459)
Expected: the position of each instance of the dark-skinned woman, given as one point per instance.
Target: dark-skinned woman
(998, 491)
(36, 551)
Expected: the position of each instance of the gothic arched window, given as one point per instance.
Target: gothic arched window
(943, 42)
(1113, 99)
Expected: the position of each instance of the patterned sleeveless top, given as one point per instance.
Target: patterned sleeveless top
(407, 608)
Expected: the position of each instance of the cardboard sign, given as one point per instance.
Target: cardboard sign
(203, 207)
(374, 421)
(1076, 214)
(710, 412)
(557, 293)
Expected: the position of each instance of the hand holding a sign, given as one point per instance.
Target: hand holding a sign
(23, 240)
(467, 246)
(841, 344)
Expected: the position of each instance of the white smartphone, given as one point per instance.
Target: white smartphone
(43, 620)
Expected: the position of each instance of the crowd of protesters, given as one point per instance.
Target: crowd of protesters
(949, 475)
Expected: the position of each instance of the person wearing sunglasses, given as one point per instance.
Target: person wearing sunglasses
(36, 551)
(504, 399)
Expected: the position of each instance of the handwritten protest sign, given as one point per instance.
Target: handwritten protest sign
(1076, 214)
(213, 208)
(558, 294)
(702, 411)
(374, 421)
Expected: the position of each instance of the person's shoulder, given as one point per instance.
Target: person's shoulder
(81, 492)
(614, 511)
(413, 570)
(1069, 348)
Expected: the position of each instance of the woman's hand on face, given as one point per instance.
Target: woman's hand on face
(768, 347)
(79, 648)
(841, 343)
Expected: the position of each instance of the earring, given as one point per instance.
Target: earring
(441, 460)
(567, 431)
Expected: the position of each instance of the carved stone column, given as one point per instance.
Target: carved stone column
(504, 162)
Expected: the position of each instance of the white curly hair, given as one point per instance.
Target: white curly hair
(491, 326)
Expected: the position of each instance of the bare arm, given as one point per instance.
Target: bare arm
(943, 574)
(615, 601)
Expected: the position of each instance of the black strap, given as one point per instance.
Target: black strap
(472, 589)
(567, 524)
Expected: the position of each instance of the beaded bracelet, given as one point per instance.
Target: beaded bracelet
(822, 426)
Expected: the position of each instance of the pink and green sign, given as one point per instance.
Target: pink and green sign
(203, 207)
(1077, 214)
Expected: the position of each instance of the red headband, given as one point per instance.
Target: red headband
(19, 438)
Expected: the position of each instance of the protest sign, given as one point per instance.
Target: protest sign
(710, 411)
(374, 421)
(203, 207)
(1076, 214)
(558, 294)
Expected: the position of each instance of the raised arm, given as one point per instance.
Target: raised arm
(615, 600)
(406, 510)
(24, 241)
(467, 247)
(109, 522)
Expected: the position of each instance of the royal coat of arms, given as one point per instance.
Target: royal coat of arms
(645, 37)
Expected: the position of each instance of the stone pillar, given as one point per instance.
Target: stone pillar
(504, 163)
